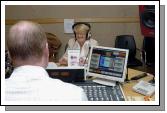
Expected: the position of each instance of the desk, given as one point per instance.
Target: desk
(127, 86)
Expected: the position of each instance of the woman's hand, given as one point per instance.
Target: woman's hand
(63, 61)
(82, 61)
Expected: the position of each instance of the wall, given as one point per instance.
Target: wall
(105, 33)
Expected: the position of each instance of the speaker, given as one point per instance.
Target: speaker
(88, 34)
(147, 20)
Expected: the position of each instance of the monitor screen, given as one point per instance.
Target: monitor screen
(108, 63)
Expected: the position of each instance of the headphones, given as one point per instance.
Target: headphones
(88, 34)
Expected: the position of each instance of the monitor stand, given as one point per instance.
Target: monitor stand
(104, 81)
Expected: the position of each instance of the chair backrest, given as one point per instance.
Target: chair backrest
(54, 44)
(149, 48)
(126, 42)
(53, 39)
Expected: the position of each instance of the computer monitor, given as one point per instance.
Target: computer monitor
(107, 64)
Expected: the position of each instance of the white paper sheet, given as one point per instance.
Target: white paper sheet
(73, 57)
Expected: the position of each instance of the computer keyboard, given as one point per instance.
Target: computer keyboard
(97, 92)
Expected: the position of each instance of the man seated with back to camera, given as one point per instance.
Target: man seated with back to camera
(28, 48)
(81, 41)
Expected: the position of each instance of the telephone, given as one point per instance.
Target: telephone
(144, 88)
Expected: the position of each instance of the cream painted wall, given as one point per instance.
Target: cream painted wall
(104, 33)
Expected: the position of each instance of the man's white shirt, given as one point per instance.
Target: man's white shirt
(32, 83)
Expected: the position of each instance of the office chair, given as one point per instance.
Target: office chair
(128, 42)
(149, 48)
(54, 45)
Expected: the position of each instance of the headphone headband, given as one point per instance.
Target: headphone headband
(78, 23)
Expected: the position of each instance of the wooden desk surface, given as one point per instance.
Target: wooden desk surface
(127, 86)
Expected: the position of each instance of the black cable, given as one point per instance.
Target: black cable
(127, 78)
(87, 56)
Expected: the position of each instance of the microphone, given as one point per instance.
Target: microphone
(89, 47)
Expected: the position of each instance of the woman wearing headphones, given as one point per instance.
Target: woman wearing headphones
(82, 41)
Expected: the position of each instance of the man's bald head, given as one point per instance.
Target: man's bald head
(26, 39)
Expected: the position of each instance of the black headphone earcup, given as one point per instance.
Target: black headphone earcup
(87, 36)
(75, 36)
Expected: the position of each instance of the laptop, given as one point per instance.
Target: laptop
(68, 74)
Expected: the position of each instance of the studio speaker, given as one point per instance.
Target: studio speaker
(147, 20)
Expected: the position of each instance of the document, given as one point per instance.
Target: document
(73, 57)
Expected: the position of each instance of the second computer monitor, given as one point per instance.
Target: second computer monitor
(108, 63)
